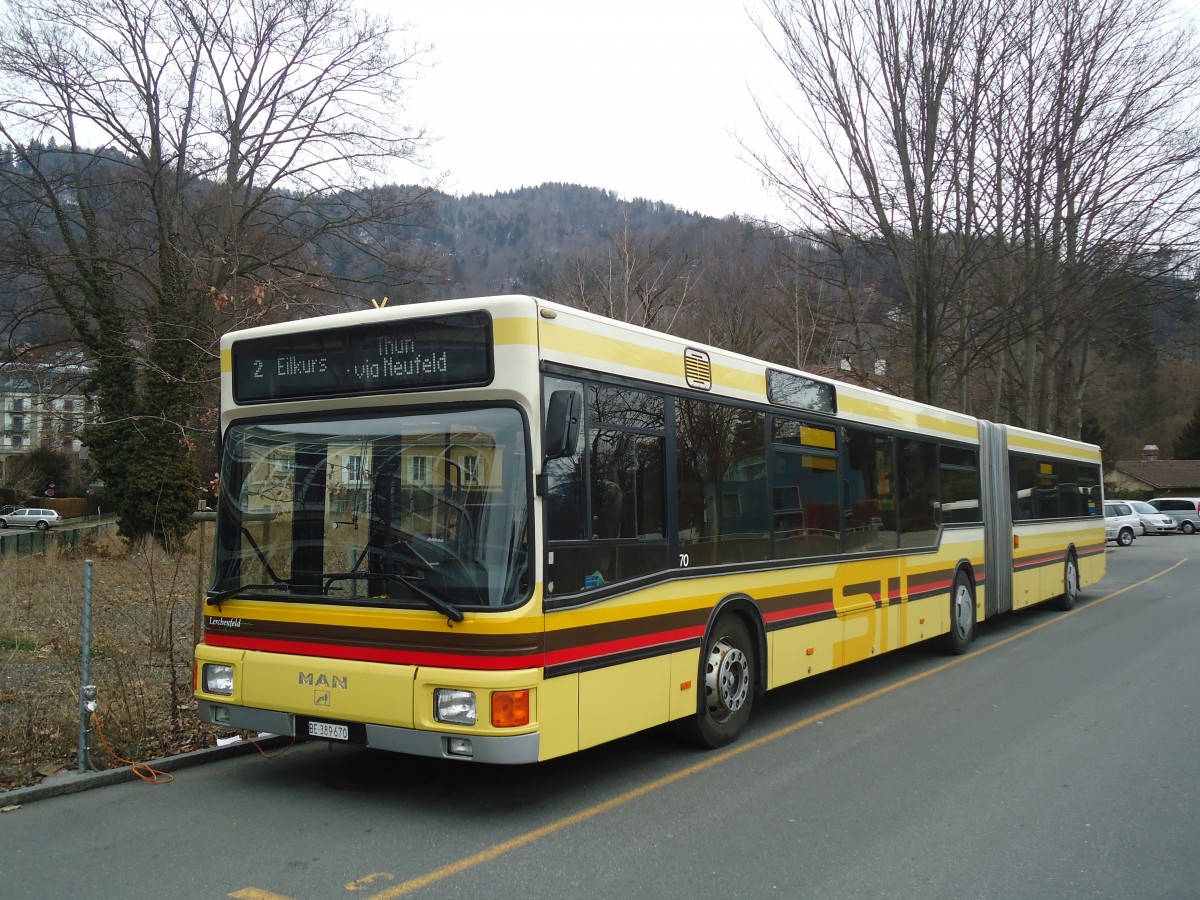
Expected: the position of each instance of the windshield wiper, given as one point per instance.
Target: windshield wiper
(215, 598)
(446, 608)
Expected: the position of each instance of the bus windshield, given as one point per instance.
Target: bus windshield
(423, 510)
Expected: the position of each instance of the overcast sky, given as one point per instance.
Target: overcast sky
(642, 97)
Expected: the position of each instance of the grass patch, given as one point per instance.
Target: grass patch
(12, 642)
(142, 633)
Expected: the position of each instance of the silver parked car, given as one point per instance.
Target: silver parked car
(1184, 510)
(1121, 523)
(31, 517)
(1153, 522)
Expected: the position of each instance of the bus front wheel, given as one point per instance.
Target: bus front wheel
(727, 685)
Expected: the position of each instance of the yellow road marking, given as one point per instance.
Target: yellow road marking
(360, 884)
(257, 894)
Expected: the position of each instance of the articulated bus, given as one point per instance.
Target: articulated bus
(504, 530)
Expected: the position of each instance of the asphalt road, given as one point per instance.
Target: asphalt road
(1057, 759)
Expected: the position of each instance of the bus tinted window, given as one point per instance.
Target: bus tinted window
(958, 486)
(625, 407)
(610, 494)
(869, 504)
(804, 496)
(565, 507)
(626, 485)
(793, 433)
(1024, 488)
(1054, 488)
(1047, 490)
(722, 483)
(917, 488)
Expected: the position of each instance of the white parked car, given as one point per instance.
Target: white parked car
(1184, 510)
(31, 517)
(1121, 523)
(1153, 522)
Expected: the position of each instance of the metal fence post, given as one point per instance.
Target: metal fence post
(87, 690)
(202, 516)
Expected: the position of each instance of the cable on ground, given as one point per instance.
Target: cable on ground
(141, 770)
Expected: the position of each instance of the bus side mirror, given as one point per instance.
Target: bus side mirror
(562, 424)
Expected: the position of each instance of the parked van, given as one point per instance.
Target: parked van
(1184, 510)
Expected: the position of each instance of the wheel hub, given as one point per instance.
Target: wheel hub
(726, 679)
(964, 610)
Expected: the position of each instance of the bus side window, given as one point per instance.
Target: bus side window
(918, 492)
(564, 506)
(721, 478)
(869, 504)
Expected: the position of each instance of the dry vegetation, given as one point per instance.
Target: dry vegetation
(143, 610)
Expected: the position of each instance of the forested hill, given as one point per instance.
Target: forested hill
(512, 241)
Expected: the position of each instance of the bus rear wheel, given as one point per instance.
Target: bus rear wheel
(1070, 594)
(727, 684)
(962, 616)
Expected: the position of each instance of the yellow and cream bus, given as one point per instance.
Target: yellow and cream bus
(504, 530)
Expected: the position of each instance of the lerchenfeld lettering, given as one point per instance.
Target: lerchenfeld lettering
(320, 679)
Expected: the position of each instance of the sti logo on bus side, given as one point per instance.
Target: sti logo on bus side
(320, 679)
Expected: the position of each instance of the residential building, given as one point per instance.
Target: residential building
(41, 405)
(1151, 476)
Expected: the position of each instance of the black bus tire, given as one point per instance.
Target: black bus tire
(728, 668)
(1070, 594)
(962, 616)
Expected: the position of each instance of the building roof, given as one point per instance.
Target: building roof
(1163, 474)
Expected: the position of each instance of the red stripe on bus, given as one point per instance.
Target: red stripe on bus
(798, 612)
(623, 645)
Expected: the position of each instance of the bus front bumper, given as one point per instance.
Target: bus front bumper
(496, 749)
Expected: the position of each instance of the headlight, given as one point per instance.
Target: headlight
(453, 706)
(218, 679)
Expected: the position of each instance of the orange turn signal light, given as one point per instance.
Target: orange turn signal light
(510, 709)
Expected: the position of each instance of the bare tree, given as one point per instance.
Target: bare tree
(236, 146)
(1110, 158)
(1016, 160)
(875, 81)
(638, 278)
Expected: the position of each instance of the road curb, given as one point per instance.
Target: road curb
(74, 782)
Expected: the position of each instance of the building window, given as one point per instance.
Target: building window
(355, 471)
(419, 470)
(472, 466)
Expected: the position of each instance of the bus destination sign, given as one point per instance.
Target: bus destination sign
(398, 355)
